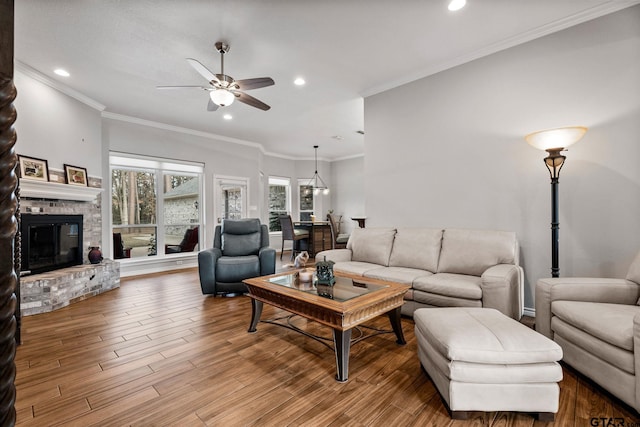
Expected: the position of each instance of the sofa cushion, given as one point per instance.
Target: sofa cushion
(613, 355)
(241, 244)
(371, 245)
(397, 274)
(611, 323)
(241, 237)
(473, 251)
(434, 300)
(237, 268)
(452, 285)
(354, 267)
(416, 248)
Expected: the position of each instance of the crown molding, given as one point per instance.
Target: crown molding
(544, 30)
(208, 135)
(31, 72)
(172, 128)
(354, 156)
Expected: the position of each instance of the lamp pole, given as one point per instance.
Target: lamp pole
(554, 141)
(554, 162)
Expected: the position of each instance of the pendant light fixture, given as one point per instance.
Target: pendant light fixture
(316, 183)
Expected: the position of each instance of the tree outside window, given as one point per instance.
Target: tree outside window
(133, 209)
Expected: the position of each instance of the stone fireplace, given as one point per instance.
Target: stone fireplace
(40, 293)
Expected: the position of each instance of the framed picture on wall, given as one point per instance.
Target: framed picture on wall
(33, 168)
(76, 175)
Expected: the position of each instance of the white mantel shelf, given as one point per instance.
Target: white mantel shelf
(57, 191)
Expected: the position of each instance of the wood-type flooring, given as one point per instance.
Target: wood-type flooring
(156, 352)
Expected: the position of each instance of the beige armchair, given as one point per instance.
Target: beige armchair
(597, 324)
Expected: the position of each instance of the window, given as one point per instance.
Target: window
(306, 200)
(279, 200)
(141, 221)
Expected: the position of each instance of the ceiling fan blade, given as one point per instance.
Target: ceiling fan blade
(181, 87)
(211, 106)
(250, 100)
(204, 71)
(248, 84)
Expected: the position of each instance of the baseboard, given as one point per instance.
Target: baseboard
(138, 266)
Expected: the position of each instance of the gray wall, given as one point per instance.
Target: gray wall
(56, 127)
(347, 197)
(448, 150)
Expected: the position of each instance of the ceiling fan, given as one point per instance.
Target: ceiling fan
(223, 89)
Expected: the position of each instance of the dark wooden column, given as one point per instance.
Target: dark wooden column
(8, 223)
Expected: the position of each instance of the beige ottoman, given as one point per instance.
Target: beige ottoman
(482, 360)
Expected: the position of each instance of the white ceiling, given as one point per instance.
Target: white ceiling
(118, 52)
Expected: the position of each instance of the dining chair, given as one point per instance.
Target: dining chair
(289, 232)
(338, 240)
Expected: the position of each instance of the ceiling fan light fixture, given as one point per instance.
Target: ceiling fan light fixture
(222, 97)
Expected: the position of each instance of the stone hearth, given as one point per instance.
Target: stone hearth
(50, 291)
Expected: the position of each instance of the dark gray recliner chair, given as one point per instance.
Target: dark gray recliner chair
(240, 251)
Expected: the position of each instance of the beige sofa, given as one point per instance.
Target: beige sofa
(445, 268)
(597, 323)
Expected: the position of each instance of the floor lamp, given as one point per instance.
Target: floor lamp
(554, 141)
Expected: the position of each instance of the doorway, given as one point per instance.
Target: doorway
(231, 197)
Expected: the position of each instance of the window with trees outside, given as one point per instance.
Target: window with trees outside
(306, 200)
(155, 206)
(279, 201)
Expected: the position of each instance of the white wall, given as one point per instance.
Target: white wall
(448, 150)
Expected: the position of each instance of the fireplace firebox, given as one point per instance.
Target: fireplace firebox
(50, 242)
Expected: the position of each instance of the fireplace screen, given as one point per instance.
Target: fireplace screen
(50, 242)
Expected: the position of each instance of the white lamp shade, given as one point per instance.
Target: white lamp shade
(556, 138)
(222, 97)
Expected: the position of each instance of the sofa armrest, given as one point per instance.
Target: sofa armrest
(588, 289)
(636, 356)
(267, 261)
(207, 269)
(335, 255)
(502, 289)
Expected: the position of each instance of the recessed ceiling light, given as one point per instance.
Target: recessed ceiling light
(61, 72)
(227, 117)
(337, 137)
(299, 81)
(456, 5)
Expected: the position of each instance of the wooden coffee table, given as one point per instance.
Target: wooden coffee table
(352, 301)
